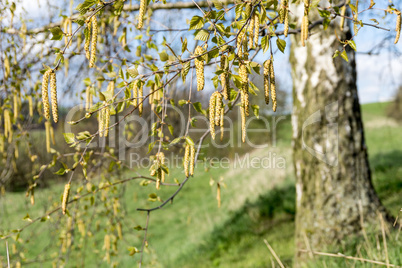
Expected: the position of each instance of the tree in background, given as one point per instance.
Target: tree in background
(98, 42)
(333, 178)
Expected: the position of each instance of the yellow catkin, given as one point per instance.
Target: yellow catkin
(221, 123)
(256, 29)
(243, 124)
(305, 24)
(251, 31)
(65, 198)
(343, 12)
(218, 107)
(16, 106)
(192, 159)
(1, 143)
(267, 67)
(45, 94)
(186, 160)
(32, 197)
(47, 129)
(286, 23)
(140, 98)
(242, 44)
(398, 26)
(225, 77)
(106, 242)
(162, 160)
(87, 40)
(212, 106)
(65, 24)
(141, 13)
(244, 90)
(135, 94)
(199, 68)
(107, 121)
(53, 94)
(8, 129)
(30, 103)
(94, 40)
(101, 120)
(79, 41)
(272, 85)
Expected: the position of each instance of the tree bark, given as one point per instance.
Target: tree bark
(333, 178)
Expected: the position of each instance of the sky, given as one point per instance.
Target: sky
(378, 75)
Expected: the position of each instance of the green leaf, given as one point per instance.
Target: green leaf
(61, 171)
(170, 127)
(133, 72)
(197, 106)
(189, 141)
(176, 140)
(57, 33)
(196, 23)
(201, 35)
(344, 55)
(265, 43)
(182, 102)
(184, 45)
(163, 56)
(256, 110)
(352, 44)
(69, 137)
(218, 5)
(281, 44)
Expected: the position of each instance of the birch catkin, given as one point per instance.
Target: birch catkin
(251, 31)
(212, 107)
(135, 94)
(218, 107)
(30, 102)
(272, 85)
(186, 160)
(244, 90)
(94, 41)
(221, 123)
(87, 39)
(141, 13)
(267, 68)
(199, 68)
(107, 121)
(53, 94)
(140, 98)
(192, 159)
(343, 12)
(65, 198)
(225, 77)
(47, 130)
(45, 94)
(256, 29)
(398, 26)
(243, 123)
(101, 119)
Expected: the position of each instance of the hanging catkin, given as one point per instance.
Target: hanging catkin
(141, 13)
(221, 123)
(192, 159)
(218, 107)
(87, 39)
(140, 98)
(53, 94)
(251, 31)
(16, 106)
(398, 26)
(225, 77)
(107, 121)
(30, 103)
(135, 94)
(199, 68)
(243, 123)
(244, 89)
(186, 160)
(267, 68)
(88, 98)
(45, 94)
(212, 106)
(47, 130)
(343, 12)
(65, 198)
(272, 84)
(94, 41)
(101, 120)
(286, 23)
(256, 29)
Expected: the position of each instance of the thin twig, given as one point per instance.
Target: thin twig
(274, 254)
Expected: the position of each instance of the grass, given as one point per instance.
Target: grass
(193, 232)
